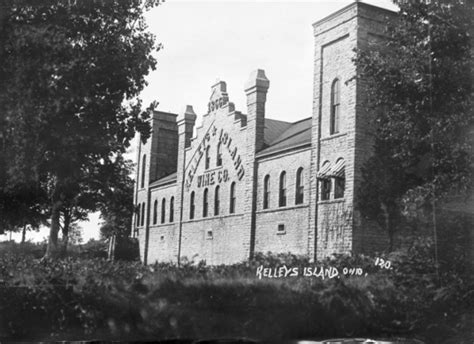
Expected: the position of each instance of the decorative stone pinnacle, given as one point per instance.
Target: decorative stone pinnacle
(219, 96)
(257, 79)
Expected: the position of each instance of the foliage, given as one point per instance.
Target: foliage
(75, 234)
(420, 92)
(70, 77)
(94, 298)
(117, 206)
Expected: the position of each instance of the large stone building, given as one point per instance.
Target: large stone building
(242, 183)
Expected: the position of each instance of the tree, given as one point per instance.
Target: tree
(74, 71)
(75, 234)
(117, 205)
(419, 88)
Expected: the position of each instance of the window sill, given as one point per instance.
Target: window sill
(211, 218)
(329, 201)
(213, 169)
(263, 211)
(334, 136)
(162, 224)
(281, 233)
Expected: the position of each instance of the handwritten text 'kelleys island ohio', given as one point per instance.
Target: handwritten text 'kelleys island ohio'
(308, 271)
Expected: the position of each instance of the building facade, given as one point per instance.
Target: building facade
(242, 183)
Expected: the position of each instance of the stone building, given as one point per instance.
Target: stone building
(242, 183)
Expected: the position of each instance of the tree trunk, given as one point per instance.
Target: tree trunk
(112, 245)
(53, 248)
(23, 235)
(65, 231)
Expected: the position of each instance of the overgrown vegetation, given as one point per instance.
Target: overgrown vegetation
(419, 90)
(79, 298)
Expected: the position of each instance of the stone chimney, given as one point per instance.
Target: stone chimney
(256, 89)
(186, 120)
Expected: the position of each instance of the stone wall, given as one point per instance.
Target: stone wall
(293, 217)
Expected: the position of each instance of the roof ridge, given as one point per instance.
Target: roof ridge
(277, 120)
(302, 120)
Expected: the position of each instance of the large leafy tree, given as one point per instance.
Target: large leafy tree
(70, 76)
(419, 84)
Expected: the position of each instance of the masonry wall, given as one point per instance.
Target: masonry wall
(294, 217)
(335, 40)
(222, 238)
(162, 235)
(339, 226)
(155, 158)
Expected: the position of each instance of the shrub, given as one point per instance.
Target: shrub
(94, 298)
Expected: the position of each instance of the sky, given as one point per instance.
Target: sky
(206, 41)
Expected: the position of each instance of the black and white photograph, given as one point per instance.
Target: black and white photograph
(237, 171)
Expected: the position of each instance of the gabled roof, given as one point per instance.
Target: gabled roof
(273, 129)
(165, 180)
(295, 134)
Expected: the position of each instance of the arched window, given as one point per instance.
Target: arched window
(138, 215)
(338, 172)
(219, 154)
(299, 192)
(232, 198)
(208, 158)
(172, 209)
(266, 192)
(205, 203)
(155, 212)
(143, 214)
(163, 210)
(282, 198)
(335, 107)
(217, 200)
(191, 206)
(143, 171)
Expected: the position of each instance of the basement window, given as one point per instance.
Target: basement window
(281, 229)
(209, 235)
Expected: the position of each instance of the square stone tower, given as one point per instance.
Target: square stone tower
(341, 132)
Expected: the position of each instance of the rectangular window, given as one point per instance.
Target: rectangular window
(325, 189)
(339, 186)
(209, 235)
(281, 229)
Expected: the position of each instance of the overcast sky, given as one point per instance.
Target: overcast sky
(205, 41)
